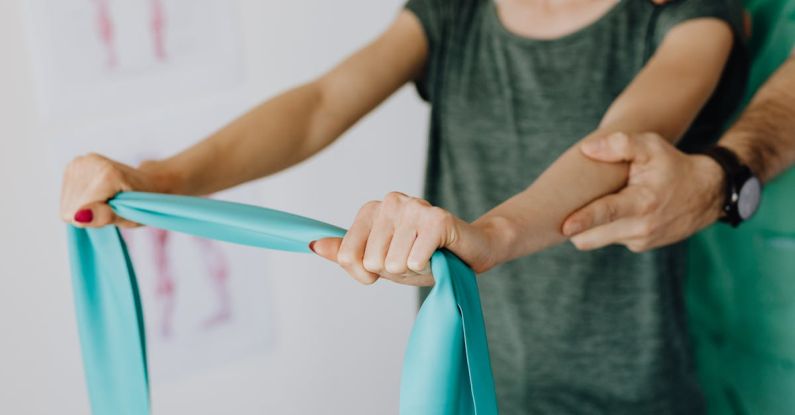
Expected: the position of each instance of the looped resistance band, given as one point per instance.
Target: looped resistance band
(446, 369)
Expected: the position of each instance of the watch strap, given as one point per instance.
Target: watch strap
(735, 173)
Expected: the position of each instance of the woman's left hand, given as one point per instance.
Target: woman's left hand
(395, 238)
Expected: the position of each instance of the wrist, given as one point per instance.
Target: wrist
(500, 234)
(713, 177)
(164, 177)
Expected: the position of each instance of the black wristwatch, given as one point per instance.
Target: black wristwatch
(743, 189)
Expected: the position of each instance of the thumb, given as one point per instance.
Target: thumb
(326, 247)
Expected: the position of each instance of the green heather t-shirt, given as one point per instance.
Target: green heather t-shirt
(570, 332)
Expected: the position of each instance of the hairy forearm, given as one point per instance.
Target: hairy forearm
(271, 137)
(764, 136)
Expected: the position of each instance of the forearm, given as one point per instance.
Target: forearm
(764, 136)
(531, 221)
(302, 121)
(664, 97)
(271, 137)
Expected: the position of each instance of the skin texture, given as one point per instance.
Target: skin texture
(671, 195)
(394, 237)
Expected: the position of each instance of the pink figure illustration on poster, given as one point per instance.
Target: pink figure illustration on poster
(138, 80)
(115, 56)
(159, 29)
(106, 30)
(208, 253)
(215, 264)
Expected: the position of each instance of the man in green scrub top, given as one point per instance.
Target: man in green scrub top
(741, 288)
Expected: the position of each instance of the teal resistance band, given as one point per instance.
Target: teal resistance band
(446, 369)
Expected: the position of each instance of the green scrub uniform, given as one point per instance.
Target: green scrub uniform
(741, 285)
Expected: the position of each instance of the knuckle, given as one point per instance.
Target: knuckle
(373, 265)
(645, 229)
(420, 202)
(88, 158)
(416, 205)
(610, 212)
(416, 266)
(649, 204)
(345, 259)
(395, 267)
(369, 207)
(394, 197)
(371, 204)
(107, 171)
(648, 201)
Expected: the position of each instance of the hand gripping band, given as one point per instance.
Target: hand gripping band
(446, 368)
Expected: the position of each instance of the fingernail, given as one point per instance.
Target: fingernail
(572, 228)
(312, 246)
(84, 216)
(592, 147)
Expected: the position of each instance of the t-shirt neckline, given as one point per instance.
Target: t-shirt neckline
(493, 15)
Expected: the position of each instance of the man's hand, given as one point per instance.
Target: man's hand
(669, 195)
(395, 238)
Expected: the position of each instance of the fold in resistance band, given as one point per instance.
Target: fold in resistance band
(446, 369)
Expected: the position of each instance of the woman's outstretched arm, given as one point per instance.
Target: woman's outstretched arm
(665, 97)
(396, 237)
(273, 136)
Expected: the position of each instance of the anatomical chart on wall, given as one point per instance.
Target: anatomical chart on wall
(108, 63)
(94, 56)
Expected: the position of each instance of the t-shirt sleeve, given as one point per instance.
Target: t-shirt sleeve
(435, 17)
(680, 11)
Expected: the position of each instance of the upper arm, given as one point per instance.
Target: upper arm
(668, 93)
(362, 81)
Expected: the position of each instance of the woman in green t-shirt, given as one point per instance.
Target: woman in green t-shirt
(513, 88)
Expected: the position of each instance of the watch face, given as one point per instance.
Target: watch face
(749, 197)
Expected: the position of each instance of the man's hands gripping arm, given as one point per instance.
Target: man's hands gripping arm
(688, 188)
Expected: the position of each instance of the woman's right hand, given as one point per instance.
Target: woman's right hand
(89, 181)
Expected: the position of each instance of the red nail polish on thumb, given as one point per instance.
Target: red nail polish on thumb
(312, 246)
(84, 216)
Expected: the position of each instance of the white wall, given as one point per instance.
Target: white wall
(338, 345)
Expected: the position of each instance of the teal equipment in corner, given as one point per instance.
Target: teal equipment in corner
(446, 368)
